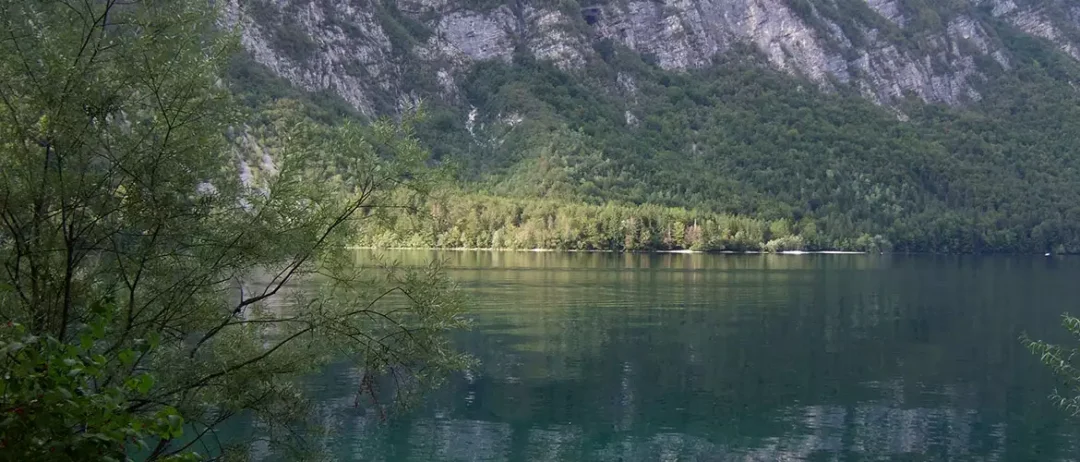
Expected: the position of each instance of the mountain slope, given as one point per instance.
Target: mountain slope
(941, 126)
(373, 52)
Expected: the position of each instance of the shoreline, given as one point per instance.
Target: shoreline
(677, 252)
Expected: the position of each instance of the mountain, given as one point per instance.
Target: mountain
(944, 126)
(368, 51)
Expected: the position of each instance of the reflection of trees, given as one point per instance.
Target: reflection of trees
(677, 357)
(867, 430)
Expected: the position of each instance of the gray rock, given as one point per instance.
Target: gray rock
(354, 56)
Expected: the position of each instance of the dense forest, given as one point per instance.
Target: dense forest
(740, 139)
(457, 220)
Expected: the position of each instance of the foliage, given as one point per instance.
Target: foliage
(741, 139)
(257, 88)
(285, 34)
(1062, 362)
(455, 220)
(403, 31)
(125, 206)
(59, 404)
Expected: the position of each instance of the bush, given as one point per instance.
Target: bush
(784, 244)
(58, 405)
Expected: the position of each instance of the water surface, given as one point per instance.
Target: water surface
(633, 357)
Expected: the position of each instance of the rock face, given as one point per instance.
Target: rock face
(370, 51)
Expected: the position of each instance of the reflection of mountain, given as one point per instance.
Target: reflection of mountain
(645, 357)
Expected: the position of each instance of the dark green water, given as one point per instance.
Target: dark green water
(610, 357)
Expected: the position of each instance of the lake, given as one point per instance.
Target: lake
(646, 357)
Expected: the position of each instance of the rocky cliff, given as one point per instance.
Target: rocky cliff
(382, 54)
(712, 105)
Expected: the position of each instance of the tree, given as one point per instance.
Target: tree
(136, 230)
(1062, 361)
(44, 390)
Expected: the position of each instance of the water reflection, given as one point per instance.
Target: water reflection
(693, 357)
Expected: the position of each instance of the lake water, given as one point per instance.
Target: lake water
(633, 357)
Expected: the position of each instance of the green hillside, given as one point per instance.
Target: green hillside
(742, 140)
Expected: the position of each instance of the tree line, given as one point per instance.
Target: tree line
(453, 219)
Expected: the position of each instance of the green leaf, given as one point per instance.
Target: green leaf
(98, 330)
(127, 357)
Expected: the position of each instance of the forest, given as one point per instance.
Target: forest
(740, 139)
(744, 140)
(458, 220)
